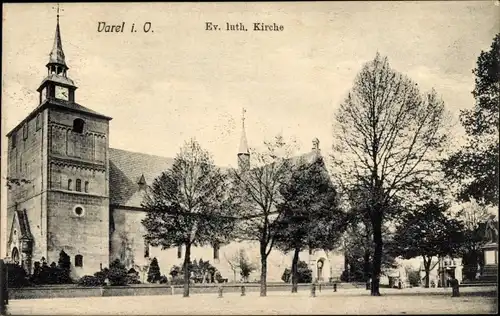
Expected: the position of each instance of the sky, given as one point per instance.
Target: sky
(180, 81)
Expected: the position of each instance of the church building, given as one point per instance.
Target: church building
(68, 190)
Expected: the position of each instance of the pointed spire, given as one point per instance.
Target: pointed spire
(57, 53)
(243, 142)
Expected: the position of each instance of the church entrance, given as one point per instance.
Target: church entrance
(320, 264)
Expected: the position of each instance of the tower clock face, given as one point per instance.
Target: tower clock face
(62, 93)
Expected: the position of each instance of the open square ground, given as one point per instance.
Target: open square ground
(349, 301)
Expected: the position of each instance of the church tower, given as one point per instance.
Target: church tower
(59, 155)
(243, 152)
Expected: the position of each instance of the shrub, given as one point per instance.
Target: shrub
(218, 277)
(133, 277)
(175, 271)
(286, 275)
(117, 274)
(17, 276)
(163, 279)
(178, 280)
(89, 280)
(414, 278)
(304, 274)
(102, 275)
(154, 271)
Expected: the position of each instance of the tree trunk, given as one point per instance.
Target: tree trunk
(295, 275)
(263, 271)
(366, 265)
(427, 268)
(187, 273)
(377, 256)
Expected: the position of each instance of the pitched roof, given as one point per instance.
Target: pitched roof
(127, 169)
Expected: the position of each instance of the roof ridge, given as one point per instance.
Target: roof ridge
(141, 153)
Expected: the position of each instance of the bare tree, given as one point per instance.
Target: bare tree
(234, 263)
(190, 205)
(387, 141)
(259, 187)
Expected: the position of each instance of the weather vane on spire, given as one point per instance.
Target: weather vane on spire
(57, 12)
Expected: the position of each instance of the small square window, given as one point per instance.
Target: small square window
(78, 261)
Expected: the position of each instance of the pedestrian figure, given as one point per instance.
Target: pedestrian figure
(313, 289)
(455, 288)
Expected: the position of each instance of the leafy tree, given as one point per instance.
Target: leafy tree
(190, 204)
(309, 214)
(259, 189)
(154, 273)
(427, 232)
(475, 165)
(387, 140)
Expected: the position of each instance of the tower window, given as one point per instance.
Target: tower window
(78, 125)
(38, 122)
(25, 131)
(69, 184)
(179, 252)
(86, 186)
(78, 261)
(78, 185)
(14, 140)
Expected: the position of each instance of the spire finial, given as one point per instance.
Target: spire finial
(243, 117)
(57, 54)
(57, 10)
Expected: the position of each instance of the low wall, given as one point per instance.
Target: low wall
(62, 291)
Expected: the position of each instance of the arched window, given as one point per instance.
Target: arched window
(70, 182)
(78, 125)
(86, 186)
(78, 185)
(78, 261)
(15, 255)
